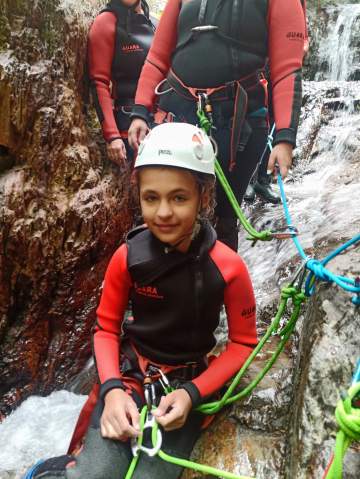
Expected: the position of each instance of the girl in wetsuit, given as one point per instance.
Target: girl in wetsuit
(118, 42)
(177, 276)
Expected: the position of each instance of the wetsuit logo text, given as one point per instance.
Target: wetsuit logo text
(248, 311)
(133, 47)
(148, 291)
(295, 36)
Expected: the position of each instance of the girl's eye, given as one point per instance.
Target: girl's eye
(179, 199)
(150, 199)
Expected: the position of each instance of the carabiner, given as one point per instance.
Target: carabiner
(285, 233)
(300, 274)
(136, 447)
(200, 102)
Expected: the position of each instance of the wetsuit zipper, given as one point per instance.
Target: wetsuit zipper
(198, 280)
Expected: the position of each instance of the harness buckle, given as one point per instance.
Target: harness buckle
(204, 28)
(136, 447)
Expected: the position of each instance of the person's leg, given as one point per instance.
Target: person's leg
(262, 187)
(98, 459)
(238, 179)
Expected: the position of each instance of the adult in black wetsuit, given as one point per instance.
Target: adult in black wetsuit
(219, 48)
(118, 42)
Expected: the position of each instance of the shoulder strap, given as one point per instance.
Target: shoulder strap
(234, 26)
(123, 25)
(121, 30)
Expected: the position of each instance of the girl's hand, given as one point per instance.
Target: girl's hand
(116, 151)
(282, 155)
(137, 132)
(173, 410)
(120, 418)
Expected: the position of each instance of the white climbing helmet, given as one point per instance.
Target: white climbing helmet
(177, 144)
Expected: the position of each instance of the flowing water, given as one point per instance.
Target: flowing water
(339, 49)
(324, 201)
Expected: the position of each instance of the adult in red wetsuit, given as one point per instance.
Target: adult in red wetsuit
(220, 48)
(118, 42)
(260, 183)
(177, 277)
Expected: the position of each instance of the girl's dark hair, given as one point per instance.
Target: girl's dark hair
(206, 184)
(146, 9)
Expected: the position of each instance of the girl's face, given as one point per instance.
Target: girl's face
(170, 201)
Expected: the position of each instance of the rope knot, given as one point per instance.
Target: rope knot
(299, 298)
(318, 270)
(347, 415)
(288, 292)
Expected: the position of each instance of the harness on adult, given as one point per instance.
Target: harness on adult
(224, 23)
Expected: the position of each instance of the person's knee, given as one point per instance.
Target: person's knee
(100, 458)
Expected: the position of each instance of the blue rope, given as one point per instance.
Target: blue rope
(30, 472)
(316, 267)
(356, 376)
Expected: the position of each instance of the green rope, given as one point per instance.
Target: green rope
(289, 292)
(193, 465)
(255, 235)
(348, 419)
(135, 459)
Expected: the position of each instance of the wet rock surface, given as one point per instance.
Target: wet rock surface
(63, 206)
(63, 211)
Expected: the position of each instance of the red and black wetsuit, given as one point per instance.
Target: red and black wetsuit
(118, 42)
(176, 300)
(217, 45)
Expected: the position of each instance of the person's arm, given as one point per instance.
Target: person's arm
(101, 42)
(113, 303)
(120, 417)
(157, 63)
(286, 50)
(240, 307)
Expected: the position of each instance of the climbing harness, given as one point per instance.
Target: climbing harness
(347, 415)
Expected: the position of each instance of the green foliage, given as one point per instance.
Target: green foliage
(4, 33)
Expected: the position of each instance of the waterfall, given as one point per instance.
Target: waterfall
(338, 49)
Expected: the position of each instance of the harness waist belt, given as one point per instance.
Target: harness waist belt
(234, 90)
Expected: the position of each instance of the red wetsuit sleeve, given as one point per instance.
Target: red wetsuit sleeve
(101, 44)
(240, 308)
(286, 24)
(110, 313)
(157, 63)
